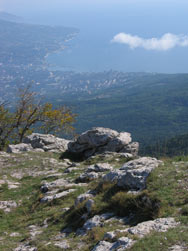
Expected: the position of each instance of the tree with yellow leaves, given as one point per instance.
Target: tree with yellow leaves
(32, 116)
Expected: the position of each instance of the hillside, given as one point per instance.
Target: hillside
(151, 106)
(48, 203)
(174, 146)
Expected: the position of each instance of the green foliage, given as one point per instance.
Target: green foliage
(142, 205)
(176, 146)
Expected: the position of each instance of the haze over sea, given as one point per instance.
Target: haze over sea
(99, 21)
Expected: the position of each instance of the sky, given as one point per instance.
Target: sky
(139, 35)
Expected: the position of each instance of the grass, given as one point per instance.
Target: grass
(165, 195)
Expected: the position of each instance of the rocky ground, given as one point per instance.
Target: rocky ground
(110, 201)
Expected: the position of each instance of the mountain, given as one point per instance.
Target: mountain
(151, 106)
(10, 17)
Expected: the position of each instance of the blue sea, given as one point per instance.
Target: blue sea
(92, 49)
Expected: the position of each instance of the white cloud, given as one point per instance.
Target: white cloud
(166, 42)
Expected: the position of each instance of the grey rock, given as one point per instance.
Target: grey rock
(134, 173)
(100, 140)
(62, 244)
(19, 148)
(25, 247)
(34, 231)
(106, 216)
(103, 246)
(54, 184)
(7, 206)
(89, 205)
(82, 197)
(48, 198)
(47, 142)
(131, 148)
(158, 225)
(110, 236)
(14, 234)
(122, 243)
(178, 248)
(99, 167)
(71, 169)
(87, 177)
(93, 222)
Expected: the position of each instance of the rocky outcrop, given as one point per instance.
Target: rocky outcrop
(40, 143)
(19, 148)
(100, 140)
(158, 225)
(121, 244)
(144, 228)
(47, 142)
(133, 174)
(94, 172)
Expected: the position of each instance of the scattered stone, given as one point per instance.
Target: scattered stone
(178, 248)
(71, 169)
(14, 234)
(97, 220)
(34, 231)
(6, 206)
(100, 140)
(87, 177)
(55, 184)
(158, 225)
(103, 246)
(11, 184)
(93, 222)
(99, 167)
(25, 247)
(133, 174)
(62, 244)
(122, 244)
(48, 198)
(83, 197)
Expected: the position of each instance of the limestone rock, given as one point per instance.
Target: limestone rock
(103, 246)
(64, 245)
(19, 148)
(89, 205)
(94, 172)
(134, 173)
(48, 198)
(122, 244)
(86, 177)
(7, 205)
(47, 142)
(25, 247)
(83, 197)
(93, 222)
(99, 167)
(100, 140)
(158, 225)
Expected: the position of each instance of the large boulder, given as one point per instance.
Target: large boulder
(100, 140)
(47, 142)
(133, 174)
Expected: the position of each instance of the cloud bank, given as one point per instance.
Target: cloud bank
(166, 42)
